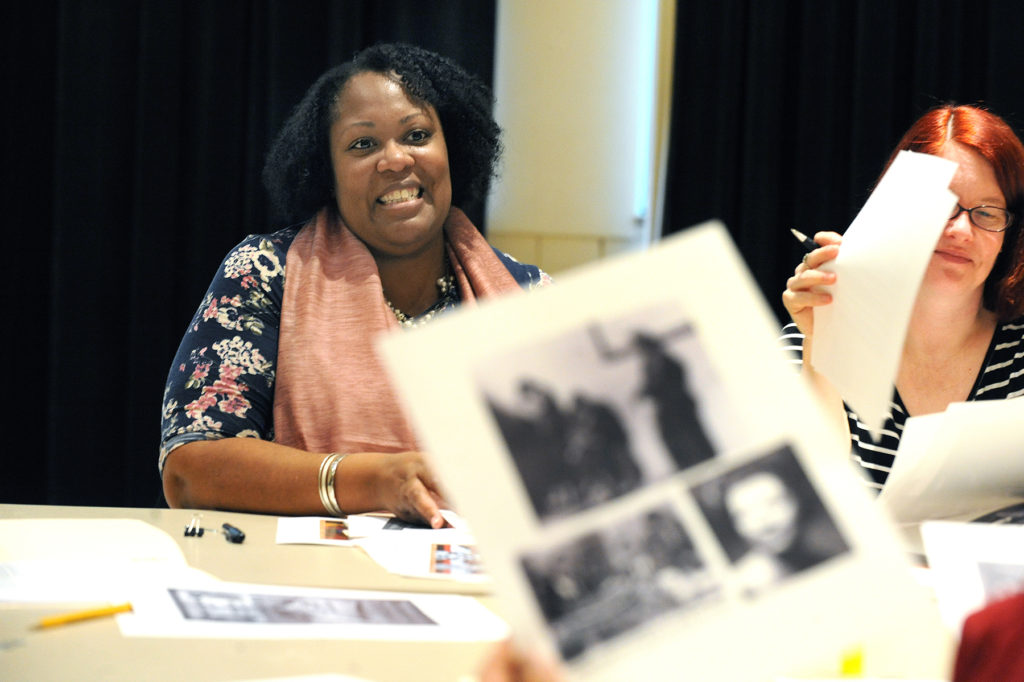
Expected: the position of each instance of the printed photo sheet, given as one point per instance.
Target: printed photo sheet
(650, 484)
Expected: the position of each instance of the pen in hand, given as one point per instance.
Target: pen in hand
(805, 241)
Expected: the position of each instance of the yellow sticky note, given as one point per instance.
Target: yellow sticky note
(852, 664)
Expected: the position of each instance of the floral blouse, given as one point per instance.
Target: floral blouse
(221, 382)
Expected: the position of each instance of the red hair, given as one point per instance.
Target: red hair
(991, 137)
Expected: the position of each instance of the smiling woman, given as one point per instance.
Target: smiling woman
(391, 173)
(275, 401)
(965, 340)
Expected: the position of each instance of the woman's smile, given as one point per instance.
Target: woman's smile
(392, 179)
(400, 196)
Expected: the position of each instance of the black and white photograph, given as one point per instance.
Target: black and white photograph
(1012, 514)
(604, 584)
(769, 519)
(283, 608)
(608, 407)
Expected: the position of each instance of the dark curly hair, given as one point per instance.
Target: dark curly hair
(298, 174)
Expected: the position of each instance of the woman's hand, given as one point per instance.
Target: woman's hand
(506, 664)
(407, 488)
(803, 290)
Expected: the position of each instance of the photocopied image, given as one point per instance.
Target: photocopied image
(599, 411)
(769, 519)
(649, 481)
(271, 608)
(452, 559)
(602, 584)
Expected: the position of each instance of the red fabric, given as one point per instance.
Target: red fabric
(992, 643)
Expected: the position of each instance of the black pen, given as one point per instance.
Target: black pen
(805, 241)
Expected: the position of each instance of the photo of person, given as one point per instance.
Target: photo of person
(601, 585)
(665, 385)
(610, 406)
(769, 520)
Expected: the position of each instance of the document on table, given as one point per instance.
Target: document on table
(86, 560)
(244, 611)
(958, 464)
(401, 548)
(649, 482)
(326, 677)
(321, 530)
(972, 564)
(858, 339)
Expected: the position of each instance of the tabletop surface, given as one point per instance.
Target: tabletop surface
(96, 650)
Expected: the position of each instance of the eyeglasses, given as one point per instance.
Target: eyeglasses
(989, 218)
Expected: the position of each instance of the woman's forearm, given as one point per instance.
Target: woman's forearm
(244, 474)
(248, 474)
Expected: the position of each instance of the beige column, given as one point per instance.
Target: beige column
(582, 89)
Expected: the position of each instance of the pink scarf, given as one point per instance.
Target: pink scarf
(332, 393)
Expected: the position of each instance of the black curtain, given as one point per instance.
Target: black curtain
(134, 135)
(784, 113)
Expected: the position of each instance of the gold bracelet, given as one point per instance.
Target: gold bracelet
(327, 473)
(331, 493)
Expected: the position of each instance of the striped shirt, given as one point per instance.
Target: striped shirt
(1001, 376)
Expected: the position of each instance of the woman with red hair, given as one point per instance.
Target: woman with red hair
(965, 339)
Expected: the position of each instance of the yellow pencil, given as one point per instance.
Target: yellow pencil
(85, 614)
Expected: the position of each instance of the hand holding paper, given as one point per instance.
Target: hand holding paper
(858, 339)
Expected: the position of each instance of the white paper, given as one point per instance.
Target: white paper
(66, 539)
(247, 611)
(606, 527)
(958, 464)
(972, 564)
(325, 677)
(83, 580)
(401, 548)
(858, 339)
(322, 530)
(313, 530)
(456, 561)
(86, 560)
(859, 679)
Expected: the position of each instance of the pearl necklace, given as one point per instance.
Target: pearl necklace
(446, 287)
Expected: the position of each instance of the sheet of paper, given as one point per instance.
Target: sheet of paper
(313, 530)
(87, 580)
(958, 464)
(317, 530)
(859, 679)
(972, 564)
(86, 560)
(326, 677)
(458, 561)
(858, 339)
(247, 611)
(619, 451)
(66, 539)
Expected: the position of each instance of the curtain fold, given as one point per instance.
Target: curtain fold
(784, 113)
(134, 141)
